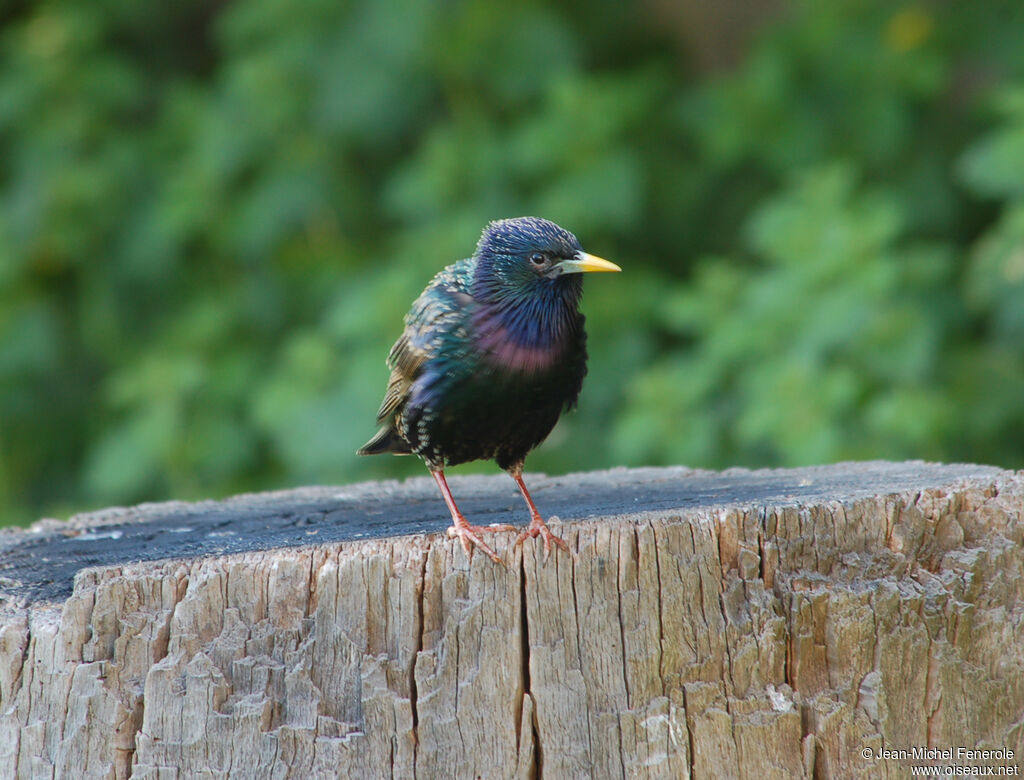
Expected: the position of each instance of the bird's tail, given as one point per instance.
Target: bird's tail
(386, 440)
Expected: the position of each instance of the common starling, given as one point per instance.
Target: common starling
(492, 352)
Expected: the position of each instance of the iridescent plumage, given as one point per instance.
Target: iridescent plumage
(492, 352)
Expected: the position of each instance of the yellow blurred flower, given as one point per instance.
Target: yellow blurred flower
(908, 29)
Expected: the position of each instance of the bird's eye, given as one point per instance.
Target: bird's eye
(538, 259)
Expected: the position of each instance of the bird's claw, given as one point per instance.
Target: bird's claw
(537, 528)
(469, 535)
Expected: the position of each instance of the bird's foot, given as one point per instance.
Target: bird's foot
(470, 535)
(538, 527)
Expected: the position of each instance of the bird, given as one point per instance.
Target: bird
(492, 352)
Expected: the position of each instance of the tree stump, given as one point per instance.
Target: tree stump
(767, 624)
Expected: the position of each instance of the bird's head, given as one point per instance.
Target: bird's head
(518, 252)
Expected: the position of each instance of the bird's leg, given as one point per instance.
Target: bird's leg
(537, 525)
(469, 534)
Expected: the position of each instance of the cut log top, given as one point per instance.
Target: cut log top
(782, 623)
(40, 564)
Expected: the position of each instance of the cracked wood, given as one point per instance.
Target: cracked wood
(767, 635)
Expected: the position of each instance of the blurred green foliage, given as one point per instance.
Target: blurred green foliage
(214, 215)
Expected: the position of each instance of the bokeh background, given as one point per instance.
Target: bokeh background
(213, 216)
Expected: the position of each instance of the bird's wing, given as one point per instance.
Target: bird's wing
(441, 307)
(405, 362)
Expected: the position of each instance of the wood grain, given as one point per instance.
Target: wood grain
(738, 638)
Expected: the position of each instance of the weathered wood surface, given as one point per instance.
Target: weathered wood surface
(743, 624)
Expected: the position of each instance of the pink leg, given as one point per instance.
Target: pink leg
(469, 534)
(537, 525)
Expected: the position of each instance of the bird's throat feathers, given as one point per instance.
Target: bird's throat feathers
(526, 326)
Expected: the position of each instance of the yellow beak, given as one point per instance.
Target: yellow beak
(583, 263)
